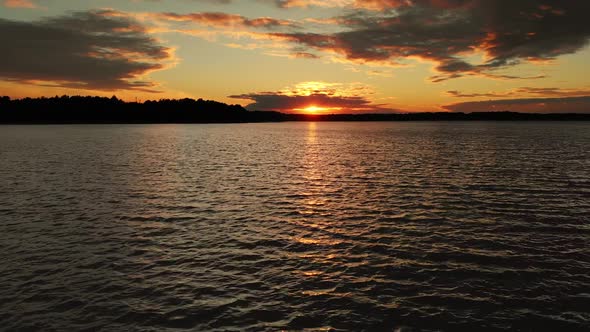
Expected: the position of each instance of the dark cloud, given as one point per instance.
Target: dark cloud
(305, 55)
(524, 91)
(277, 101)
(526, 105)
(553, 92)
(459, 94)
(101, 50)
(278, 3)
(508, 32)
(289, 3)
(222, 2)
(226, 20)
(393, 4)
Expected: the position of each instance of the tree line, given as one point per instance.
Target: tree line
(89, 109)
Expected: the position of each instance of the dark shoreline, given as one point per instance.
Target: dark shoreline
(101, 110)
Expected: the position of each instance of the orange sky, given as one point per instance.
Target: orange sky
(334, 56)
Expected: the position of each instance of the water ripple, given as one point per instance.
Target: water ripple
(295, 226)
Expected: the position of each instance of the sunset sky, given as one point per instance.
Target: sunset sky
(317, 56)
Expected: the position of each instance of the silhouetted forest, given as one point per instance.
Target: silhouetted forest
(79, 109)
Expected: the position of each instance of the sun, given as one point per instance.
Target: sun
(313, 109)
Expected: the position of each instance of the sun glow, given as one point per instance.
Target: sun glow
(313, 109)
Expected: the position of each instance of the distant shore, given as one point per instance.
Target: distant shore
(97, 110)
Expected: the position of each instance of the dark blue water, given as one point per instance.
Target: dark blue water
(294, 226)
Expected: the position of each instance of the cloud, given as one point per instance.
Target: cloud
(553, 92)
(305, 55)
(394, 4)
(220, 2)
(232, 30)
(459, 94)
(526, 105)
(327, 97)
(449, 32)
(275, 101)
(102, 50)
(225, 20)
(460, 37)
(19, 4)
(224, 2)
(524, 91)
(310, 3)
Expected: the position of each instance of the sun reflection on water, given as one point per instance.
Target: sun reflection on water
(316, 217)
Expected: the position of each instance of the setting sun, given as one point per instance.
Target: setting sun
(316, 109)
(313, 109)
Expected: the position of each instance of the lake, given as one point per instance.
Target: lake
(290, 226)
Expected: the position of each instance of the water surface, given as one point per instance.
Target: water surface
(293, 226)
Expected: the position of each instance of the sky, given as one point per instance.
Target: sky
(305, 56)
